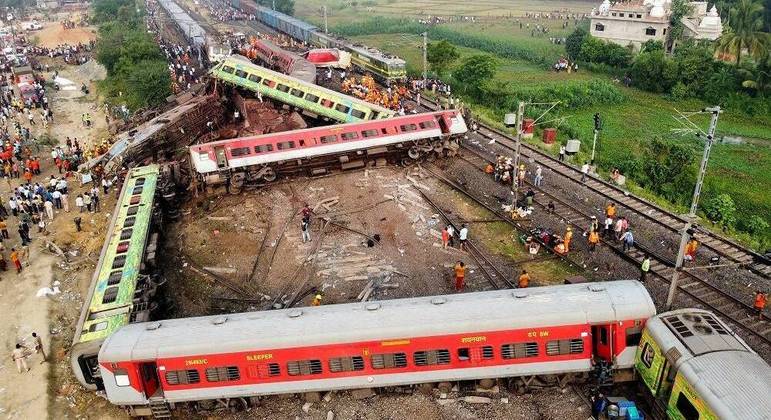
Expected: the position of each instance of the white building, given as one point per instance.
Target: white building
(637, 21)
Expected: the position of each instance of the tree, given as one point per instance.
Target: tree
(652, 45)
(678, 10)
(284, 6)
(574, 41)
(595, 50)
(652, 71)
(441, 55)
(721, 210)
(745, 31)
(756, 77)
(474, 71)
(755, 225)
(147, 83)
(668, 170)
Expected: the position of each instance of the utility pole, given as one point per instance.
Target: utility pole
(597, 127)
(425, 58)
(685, 236)
(518, 140)
(326, 28)
(274, 4)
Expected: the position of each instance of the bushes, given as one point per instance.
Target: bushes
(653, 72)
(574, 41)
(594, 50)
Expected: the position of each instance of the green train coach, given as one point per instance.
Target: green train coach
(119, 293)
(695, 368)
(314, 100)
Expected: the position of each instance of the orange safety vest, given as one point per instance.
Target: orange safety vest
(611, 211)
(524, 281)
(594, 237)
(460, 271)
(760, 300)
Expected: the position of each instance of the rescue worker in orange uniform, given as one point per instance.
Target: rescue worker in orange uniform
(610, 211)
(460, 276)
(568, 238)
(594, 239)
(524, 280)
(489, 169)
(316, 300)
(690, 250)
(760, 303)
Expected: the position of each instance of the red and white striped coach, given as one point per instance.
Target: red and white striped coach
(260, 156)
(495, 334)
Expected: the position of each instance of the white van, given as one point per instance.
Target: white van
(31, 26)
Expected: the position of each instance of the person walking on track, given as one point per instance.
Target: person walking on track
(460, 276)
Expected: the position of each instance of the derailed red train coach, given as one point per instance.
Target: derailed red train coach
(236, 358)
(261, 157)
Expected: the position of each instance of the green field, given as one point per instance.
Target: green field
(740, 170)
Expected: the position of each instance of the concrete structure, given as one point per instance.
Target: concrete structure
(637, 21)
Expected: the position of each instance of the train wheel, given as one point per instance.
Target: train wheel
(430, 157)
(444, 387)
(236, 182)
(269, 175)
(413, 153)
(407, 161)
(437, 146)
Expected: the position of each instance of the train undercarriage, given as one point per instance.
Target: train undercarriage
(399, 153)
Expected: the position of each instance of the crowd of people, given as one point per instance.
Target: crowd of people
(181, 65)
(72, 54)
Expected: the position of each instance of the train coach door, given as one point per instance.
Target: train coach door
(443, 124)
(150, 382)
(222, 159)
(602, 340)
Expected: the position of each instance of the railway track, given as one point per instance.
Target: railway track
(718, 244)
(662, 267)
(495, 277)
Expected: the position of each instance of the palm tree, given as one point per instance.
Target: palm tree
(745, 31)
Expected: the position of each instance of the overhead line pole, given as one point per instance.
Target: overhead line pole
(685, 235)
(326, 27)
(425, 58)
(515, 175)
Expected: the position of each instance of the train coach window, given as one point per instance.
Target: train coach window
(408, 127)
(241, 74)
(633, 336)
(303, 367)
(647, 355)
(431, 357)
(115, 278)
(358, 114)
(132, 210)
(519, 350)
(427, 124)
(129, 222)
(119, 261)
(239, 151)
(328, 139)
(228, 69)
(139, 181)
(222, 374)
(297, 92)
(389, 360)
(327, 103)
(464, 354)
(282, 88)
(263, 148)
(342, 108)
(346, 364)
(254, 78)
(369, 133)
(487, 352)
(121, 377)
(567, 346)
(126, 234)
(110, 294)
(138, 190)
(264, 370)
(603, 336)
(350, 136)
(268, 83)
(686, 408)
(285, 145)
(180, 377)
(311, 98)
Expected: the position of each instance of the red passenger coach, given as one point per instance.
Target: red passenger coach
(262, 157)
(516, 334)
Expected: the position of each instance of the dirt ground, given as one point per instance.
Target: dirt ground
(53, 34)
(34, 395)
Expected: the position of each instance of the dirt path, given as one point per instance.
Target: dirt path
(24, 395)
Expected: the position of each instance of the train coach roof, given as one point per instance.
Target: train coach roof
(735, 384)
(596, 303)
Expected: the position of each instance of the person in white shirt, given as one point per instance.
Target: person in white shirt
(584, 171)
(463, 236)
(79, 202)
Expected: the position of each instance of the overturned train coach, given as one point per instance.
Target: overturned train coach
(552, 333)
(314, 150)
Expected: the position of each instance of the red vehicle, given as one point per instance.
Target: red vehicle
(261, 157)
(235, 358)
